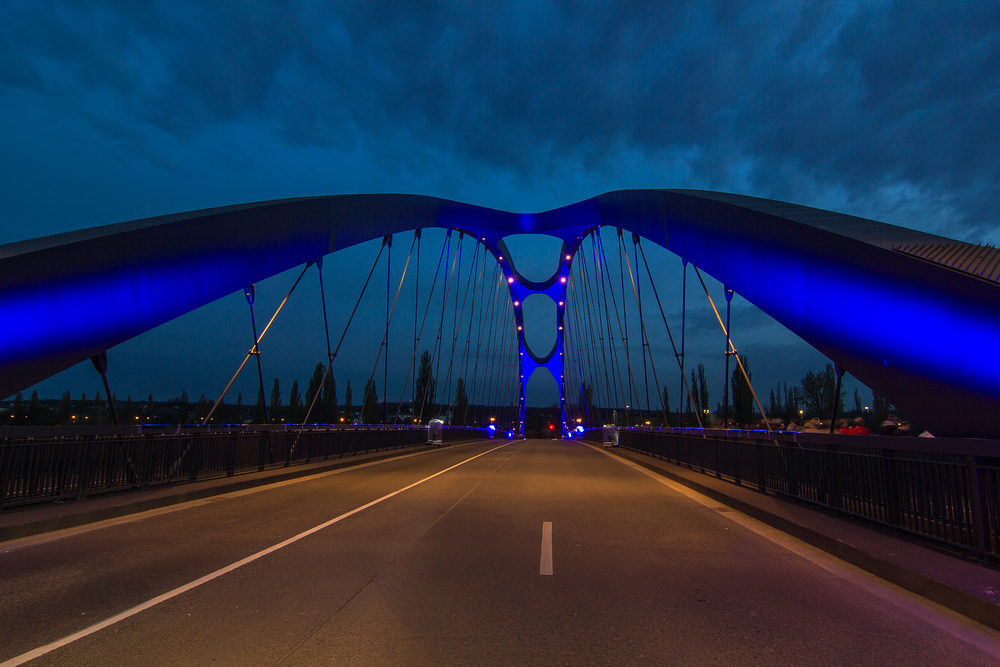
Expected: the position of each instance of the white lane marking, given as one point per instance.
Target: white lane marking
(545, 566)
(59, 643)
(41, 538)
(961, 627)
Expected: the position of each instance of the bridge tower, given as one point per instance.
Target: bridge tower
(554, 288)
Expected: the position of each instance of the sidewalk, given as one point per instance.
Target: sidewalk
(16, 522)
(952, 580)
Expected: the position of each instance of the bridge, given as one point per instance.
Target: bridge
(492, 549)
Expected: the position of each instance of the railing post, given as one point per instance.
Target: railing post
(979, 523)
(195, 459)
(231, 463)
(736, 462)
(761, 476)
(891, 484)
(88, 458)
(5, 449)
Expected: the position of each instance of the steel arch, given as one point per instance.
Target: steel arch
(918, 333)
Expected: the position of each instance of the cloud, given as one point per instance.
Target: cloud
(822, 103)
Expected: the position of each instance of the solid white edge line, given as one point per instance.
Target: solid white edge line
(545, 566)
(59, 643)
(961, 627)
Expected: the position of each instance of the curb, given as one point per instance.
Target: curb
(957, 600)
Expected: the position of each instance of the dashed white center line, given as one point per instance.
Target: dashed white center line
(546, 563)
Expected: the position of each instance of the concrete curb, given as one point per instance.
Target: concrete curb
(966, 604)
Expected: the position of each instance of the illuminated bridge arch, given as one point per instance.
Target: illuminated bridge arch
(921, 334)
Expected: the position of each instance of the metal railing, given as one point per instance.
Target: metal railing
(40, 464)
(941, 488)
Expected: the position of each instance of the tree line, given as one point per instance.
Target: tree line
(319, 404)
(811, 398)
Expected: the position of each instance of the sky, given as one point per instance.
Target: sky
(113, 111)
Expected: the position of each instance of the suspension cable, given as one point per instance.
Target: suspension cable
(333, 355)
(679, 357)
(732, 350)
(423, 321)
(255, 350)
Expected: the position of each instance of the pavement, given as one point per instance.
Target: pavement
(28, 520)
(951, 579)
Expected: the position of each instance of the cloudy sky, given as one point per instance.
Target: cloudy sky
(112, 111)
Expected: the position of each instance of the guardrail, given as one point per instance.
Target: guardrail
(942, 488)
(41, 464)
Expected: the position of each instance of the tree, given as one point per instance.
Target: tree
(423, 394)
(18, 413)
(295, 410)
(330, 399)
(699, 390)
(66, 409)
(369, 406)
(743, 407)
(461, 404)
(275, 415)
(666, 405)
(818, 390)
(150, 408)
(318, 414)
(97, 410)
(793, 398)
(880, 411)
(348, 408)
(202, 410)
(258, 410)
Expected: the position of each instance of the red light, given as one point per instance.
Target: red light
(551, 427)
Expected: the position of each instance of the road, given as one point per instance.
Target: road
(440, 558)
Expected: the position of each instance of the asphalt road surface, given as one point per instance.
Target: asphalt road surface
(533, 552)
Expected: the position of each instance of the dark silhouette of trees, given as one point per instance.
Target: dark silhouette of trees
(461, 404)
(817, 390)
(666, 405)
(348, 408)
(369, 406)
(318, 414)
(743, 407)
(275, 415)
(699, 391)
(424, 388)
(258, 410)
(295, 411)
(330, 399)
(66, 409)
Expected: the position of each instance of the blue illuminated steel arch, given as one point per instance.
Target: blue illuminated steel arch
(922, 335)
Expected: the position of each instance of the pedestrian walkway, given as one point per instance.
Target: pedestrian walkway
(951, 579)
(16, 522)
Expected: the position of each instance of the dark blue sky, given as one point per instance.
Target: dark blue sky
(112, 111)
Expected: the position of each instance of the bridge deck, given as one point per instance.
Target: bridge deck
(448, 572)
